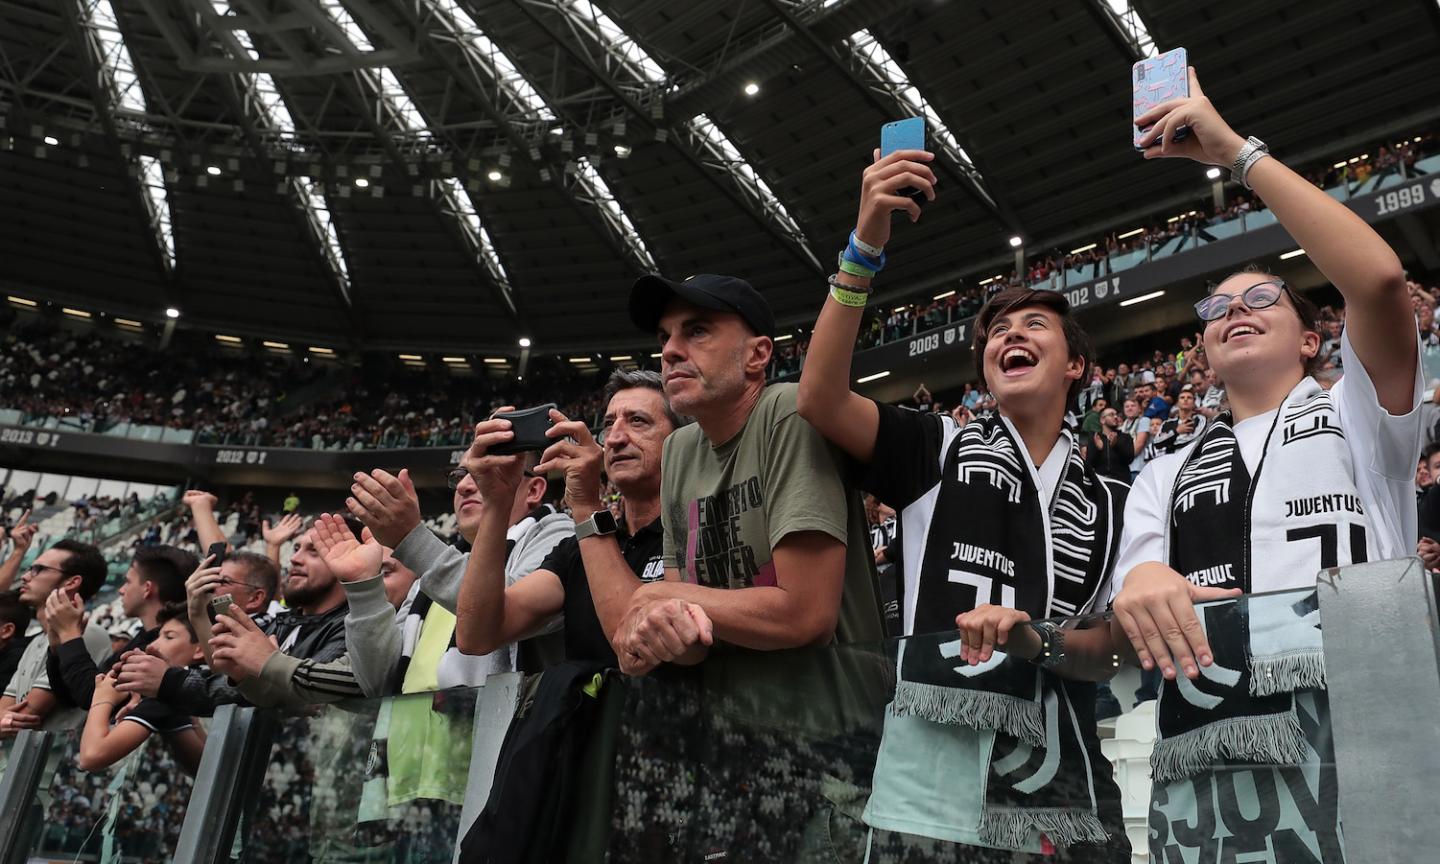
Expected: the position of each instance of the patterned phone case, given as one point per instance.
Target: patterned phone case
(1155, 80)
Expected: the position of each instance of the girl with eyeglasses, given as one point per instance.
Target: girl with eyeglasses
(1291, 480)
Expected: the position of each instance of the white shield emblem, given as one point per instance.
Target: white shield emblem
(950, 336)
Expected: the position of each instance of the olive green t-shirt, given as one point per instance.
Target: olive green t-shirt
(724, 508)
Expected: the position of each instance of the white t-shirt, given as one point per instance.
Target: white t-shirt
(1383, 449)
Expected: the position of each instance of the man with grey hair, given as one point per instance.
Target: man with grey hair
(589, 577)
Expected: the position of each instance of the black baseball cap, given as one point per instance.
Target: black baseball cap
(652, 292)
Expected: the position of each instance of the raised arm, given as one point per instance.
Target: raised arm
(1346, 250)
(202, 509)
(825, 398)
(487, 614)
(21, 536)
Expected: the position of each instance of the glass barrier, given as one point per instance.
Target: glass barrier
(895, 752)
(130, 811)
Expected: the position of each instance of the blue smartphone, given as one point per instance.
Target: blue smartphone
(1155, 80)
(907, 134)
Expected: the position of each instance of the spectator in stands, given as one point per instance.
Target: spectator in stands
(1154, 406)
(119, 723)
(759, 521)
(1111, 451)
(987, 538)
(382, 647)
(1211, 395)
(72, 572)
(590, 578)
(1184, 425)
(1263, 339)
(310, 633)
(22, 534)
(16, 621)
(1137, 427)
(155, 578)
(248, 579)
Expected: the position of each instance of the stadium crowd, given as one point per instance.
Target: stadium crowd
(718, 512)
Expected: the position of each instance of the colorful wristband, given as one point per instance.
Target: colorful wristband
(856, 270)
(866, 248)
(846, 295)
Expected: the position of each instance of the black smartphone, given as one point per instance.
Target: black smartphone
(217, 551)
(529, 426)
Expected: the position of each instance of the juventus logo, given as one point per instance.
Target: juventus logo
(991, 459)
(1207, 473)
(1311, 421)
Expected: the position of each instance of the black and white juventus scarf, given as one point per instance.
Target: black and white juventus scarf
(1007, 546)
(1298, 514)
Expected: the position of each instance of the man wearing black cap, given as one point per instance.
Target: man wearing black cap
(761, 530)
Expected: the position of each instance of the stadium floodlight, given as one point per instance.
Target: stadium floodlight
(22, 301)
(876, 377)
(1142, 298)
(752, 89)
(495, 176)
(75, 313)
(1016, 242)
(524, 341)
(1294, 253)
(172, 313)
(52, 140)
(950, 293)
(362, 183)
(213, 170)
(1213, 174)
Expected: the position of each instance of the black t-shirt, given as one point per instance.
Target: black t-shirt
(158, 717)
(585, 639)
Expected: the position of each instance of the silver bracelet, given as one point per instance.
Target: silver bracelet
(1252, 151)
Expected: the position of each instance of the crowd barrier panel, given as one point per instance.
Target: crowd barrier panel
(750, 756)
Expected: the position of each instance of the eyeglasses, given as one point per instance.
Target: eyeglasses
(37, 569)
(1261, 295)
(455, 476)
(225, 581)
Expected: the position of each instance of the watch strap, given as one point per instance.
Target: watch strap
(591, 527)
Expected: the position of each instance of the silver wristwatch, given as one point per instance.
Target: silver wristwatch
(1052, 645)
(1252, 151)
(600, 522)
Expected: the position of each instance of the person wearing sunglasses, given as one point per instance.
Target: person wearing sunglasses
(1291, 480)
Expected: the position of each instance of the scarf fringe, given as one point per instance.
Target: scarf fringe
(1271, 739)
(978, 709)
(1012, 828)
(1297, 670)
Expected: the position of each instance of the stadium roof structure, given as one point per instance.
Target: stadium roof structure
(455, 174)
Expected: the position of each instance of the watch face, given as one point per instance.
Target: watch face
(604, 522)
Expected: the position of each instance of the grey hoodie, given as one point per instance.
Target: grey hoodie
(377, 636)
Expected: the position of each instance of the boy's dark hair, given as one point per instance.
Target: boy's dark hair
(1305, 308)
(85, 561)
(1013, 299)
(176, 612)
(168, 567)
(12, 611)
(1430, 450)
